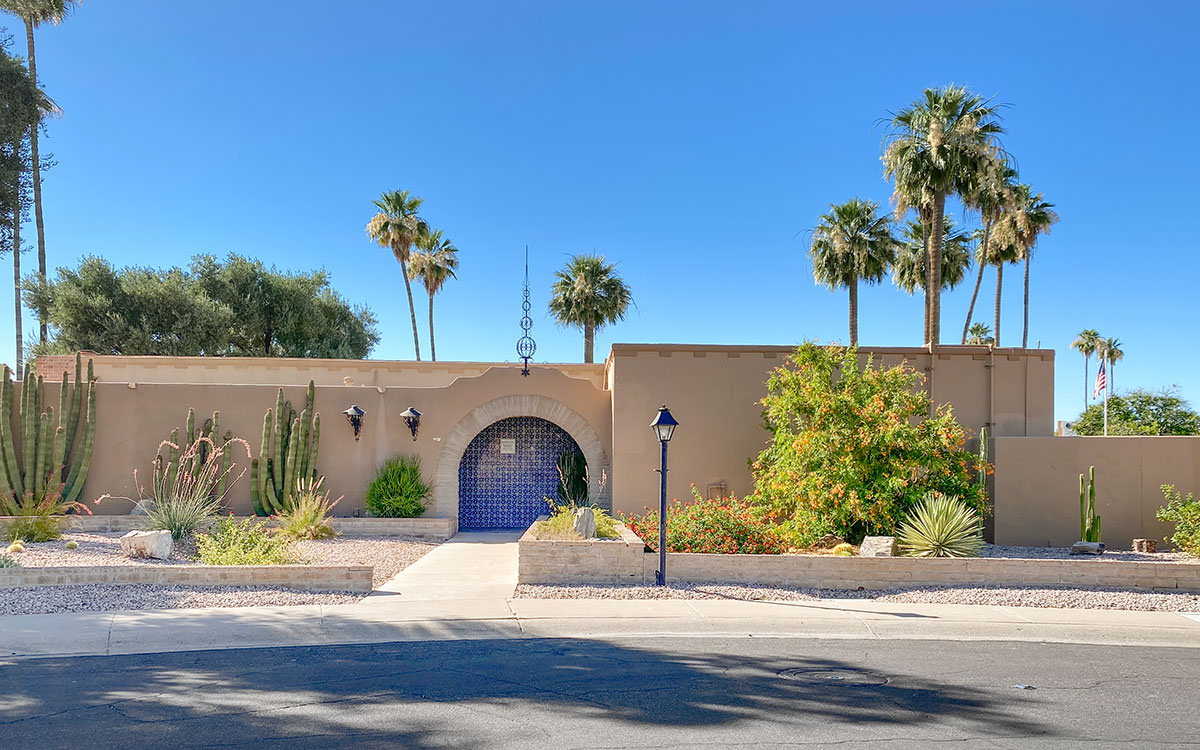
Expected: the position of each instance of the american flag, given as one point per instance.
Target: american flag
(1101, 382)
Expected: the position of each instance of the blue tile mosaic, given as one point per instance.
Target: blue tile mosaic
(498, 489)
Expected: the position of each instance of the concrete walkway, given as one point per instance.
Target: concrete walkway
(463, 590)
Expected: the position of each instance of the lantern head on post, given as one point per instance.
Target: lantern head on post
(412, 418)
(664, 424)
(354, 415)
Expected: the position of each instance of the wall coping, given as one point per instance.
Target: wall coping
(300, 577)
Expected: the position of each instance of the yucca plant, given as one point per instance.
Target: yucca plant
(941, 526)
(308, 517)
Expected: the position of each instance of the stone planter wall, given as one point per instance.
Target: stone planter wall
(592, 561)
(300, 577)
(420, 528)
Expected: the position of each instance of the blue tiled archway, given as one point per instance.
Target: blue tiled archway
(508, 470)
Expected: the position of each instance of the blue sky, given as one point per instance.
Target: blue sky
(692, 143)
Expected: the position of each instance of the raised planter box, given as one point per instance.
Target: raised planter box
(420, 528)
(606, 562)
(300, 577)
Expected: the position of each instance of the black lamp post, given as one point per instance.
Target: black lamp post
(664, 427)
(412, 418)
(354, 415)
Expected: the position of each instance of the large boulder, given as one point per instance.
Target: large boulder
(585, 523)
(155, 544)
(878, 546)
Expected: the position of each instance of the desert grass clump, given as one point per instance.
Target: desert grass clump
(561, 524)
(941, 526)
(308, 517)
(398, 490)
(37, 518)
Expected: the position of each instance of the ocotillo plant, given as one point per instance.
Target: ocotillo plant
(289, 454)
(54, 458)
(1089, 522)
(179, 458)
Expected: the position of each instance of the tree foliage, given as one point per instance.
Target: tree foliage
(1141, 412)
(852, 243)
(854, 447)
(589, 293)
(234, 308)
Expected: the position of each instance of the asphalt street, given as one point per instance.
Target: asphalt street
(673, 692)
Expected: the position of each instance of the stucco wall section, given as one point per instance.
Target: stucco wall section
(1037, 486)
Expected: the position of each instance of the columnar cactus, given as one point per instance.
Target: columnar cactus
(288, 457)
(1089, 522)
(179, 458)
(54, 455)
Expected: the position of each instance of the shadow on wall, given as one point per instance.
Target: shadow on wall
(405, 694)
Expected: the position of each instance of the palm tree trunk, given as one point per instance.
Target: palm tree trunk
(1025, 332)
(987, 228)
(1086, 357)
(412, 311)
(854, 312)
(16, 234)
(589, 342)
(935, 271)
(432, 350)
(999, 283)
(37, 181)
(923, 216)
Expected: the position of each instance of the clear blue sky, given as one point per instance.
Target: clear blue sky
(689, 141)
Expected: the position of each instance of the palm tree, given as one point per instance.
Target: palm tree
(1086, 343)
(991, 195)
(1032, 217)
(852, 243)
(588, 293)
(1110, 351)
(398, 227)
(911, 267)
(936, 146)
(433, 263)
(981, 335)
(34, 13)
(1003, 250)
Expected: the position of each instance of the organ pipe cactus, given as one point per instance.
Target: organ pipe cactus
(44, 452)
(288, 457)
(1089, 522)
(179, 458)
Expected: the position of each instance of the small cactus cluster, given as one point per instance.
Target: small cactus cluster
(179, 456)
(53, 457)
(1089, 522)
(288, 458)
(981, 476)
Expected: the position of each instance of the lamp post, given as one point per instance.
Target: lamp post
(664, 427)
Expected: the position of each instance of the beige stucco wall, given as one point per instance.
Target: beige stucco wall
(714, 392)
(1037, 486)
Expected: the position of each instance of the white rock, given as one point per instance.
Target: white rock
(585, 523)
(878, 546)
(156, 544)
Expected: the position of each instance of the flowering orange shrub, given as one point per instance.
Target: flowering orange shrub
(855, 447)
(726, 526)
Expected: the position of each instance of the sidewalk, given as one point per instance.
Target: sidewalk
(463, 590)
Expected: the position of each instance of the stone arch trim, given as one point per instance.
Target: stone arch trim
(525, 405)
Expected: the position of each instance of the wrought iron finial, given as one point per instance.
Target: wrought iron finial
(526, 345)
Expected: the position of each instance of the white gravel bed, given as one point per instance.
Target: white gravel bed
(1063, 598)
(38, 600)
(388, 555)
(1063, 553)
(95, 548)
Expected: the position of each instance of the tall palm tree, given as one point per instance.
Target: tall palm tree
(1031, 218)
(852, 243)
(911, 271)
(34, 13)
(1002, 250)
(990, 195)
(1110, 351)
(398, 226)
(588, 293)
(981, 335)
(433, 263)
(936, 145)
(1086, 343)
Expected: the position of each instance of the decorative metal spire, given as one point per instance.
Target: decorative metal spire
(526, 346)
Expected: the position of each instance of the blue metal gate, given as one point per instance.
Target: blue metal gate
(507, 472)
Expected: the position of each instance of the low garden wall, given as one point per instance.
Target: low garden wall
(299, 577)
(625, 561)
(418, 528)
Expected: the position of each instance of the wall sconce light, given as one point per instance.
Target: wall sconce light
(412, 418)
(354, 416)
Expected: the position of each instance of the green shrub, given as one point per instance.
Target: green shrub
(36, 519)
(1184, 512)
(721, 526)
(854, 447)
(398, 490)
(561, 523)
(309, 516)
(941, 526)
(247, 543)
(8, 562)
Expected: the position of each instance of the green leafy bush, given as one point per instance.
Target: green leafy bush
(309, 515)
(854, 447)
(722, 526)
(249, 542)
(37, 519)
(398, 490)
(941, 526)
(1184, 512)
(560, 524)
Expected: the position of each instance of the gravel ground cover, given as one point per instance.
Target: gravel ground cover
(37, 600)
(1063, 553)
(1063, 598)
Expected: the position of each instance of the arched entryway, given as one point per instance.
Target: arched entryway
(508, 470)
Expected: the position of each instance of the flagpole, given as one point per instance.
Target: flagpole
(1106, 404)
